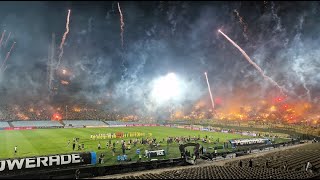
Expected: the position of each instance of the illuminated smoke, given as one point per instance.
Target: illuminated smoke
(7, 56)
(245, 25)
(121, 24)
(209, 91)
(276, 18)
(253, 63)
(64, 38)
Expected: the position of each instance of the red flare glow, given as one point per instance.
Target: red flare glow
(56, 117)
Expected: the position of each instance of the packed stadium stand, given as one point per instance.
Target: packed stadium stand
(4, 124)
(36, 123)
(79, 123)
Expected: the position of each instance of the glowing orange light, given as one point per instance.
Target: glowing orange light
(56, 117)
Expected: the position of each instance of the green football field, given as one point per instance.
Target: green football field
(55, 141)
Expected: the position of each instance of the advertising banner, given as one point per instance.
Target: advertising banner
(20, 128)
(51, 161)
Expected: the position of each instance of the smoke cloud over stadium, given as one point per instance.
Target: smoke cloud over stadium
(116, 64)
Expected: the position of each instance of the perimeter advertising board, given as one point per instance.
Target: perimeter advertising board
(42, 162)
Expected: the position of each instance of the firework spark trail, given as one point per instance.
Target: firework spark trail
(5, 44)
(253, 63)
(305, 87)
(64, 37)
(5, 68)
(308, 91)
(2, 38)
(7, 56)
(212, 103)
(121, 24)
(245, 25)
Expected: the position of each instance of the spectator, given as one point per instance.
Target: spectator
(240, 163)
(308, 167)
(285, 165)
(250, 163)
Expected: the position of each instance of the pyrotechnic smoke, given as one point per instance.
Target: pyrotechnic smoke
(2, 38)
(253, 63)
(244, 24)
(64, 37)
(212, 103)
(299, 66)
(7, 56)
(121, 24)
(276, 18)
(5, 44)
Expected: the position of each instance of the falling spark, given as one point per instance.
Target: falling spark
(2, 38)
(121, 24)
(212, 103)
(245, 25)
(253, 63)
(7, 56)
(64, 37)
(5, 44)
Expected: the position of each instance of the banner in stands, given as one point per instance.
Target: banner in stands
(100, 126)
(19, 128)
(239, 142)
(49, 127)
(118, 125)
(137, 125)
(119, 135)
(65, 160)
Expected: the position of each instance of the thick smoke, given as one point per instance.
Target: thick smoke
(160, 38)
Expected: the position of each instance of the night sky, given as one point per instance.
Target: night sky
(160, 38)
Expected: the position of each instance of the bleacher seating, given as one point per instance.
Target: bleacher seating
(80, 123)
(115, 123)
(4, 124)
(296, 158)
(36, 123)
(223, 172)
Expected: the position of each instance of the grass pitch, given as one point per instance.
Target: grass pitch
(55, 141)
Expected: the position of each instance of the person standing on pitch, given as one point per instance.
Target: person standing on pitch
(15, 150)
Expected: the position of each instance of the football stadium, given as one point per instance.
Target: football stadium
(159, 90)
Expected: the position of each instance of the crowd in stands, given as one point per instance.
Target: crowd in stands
(15, 112)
